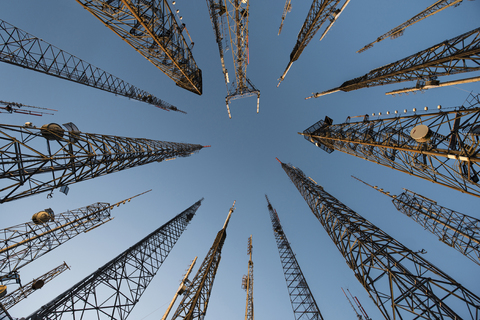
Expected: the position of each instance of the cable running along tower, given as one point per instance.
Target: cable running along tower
(457, 55)
(113, 290)
(320, 11)
(303, 303)
(440, 147)
(236, 14)
(19, 48)
(150, 27)
(400, 282)
(195, 300)
(247, 284)
(35, 160)
(453, 228)
(26, 242)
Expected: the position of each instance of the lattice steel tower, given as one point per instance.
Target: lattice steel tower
(232, 15)
(398, 280)
(195, 300)
(303, 303)
(35, 160)
(457, 55)
(22, 49)
(113, 290)
(150, 27)
(26, 242)
(320, 11)
(247, 283)
(440, 147)
(453, 228)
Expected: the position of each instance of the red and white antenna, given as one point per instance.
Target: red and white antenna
(359, 305)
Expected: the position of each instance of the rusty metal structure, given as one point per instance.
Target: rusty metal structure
(286, 9)
(454, 56)
(247, 284)
(22, 49)
(440, 147)
(150, 27)
(455, 229)
(112, 291)
(195, 300)
(35, 160)
(400, 282)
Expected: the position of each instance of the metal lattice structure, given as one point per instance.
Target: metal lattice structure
(400, 282)
(26, 242)
(286, 9)
(24, 291)
(150, 27)
(320, 11)
(455, 229)
(303, 303)
(22, 49)
(113, 290)
(15, 107)
(447, 155)
(195, 300)
(457, 55)
(35, 160)
(232, 15)
(247, 284)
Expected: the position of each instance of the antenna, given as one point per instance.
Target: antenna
(358, 315)
(359, 305)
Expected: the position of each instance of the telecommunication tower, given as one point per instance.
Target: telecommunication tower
(113, 290)
(22, 49)
(301, 298)
(453, 228)
(35, 160)
(236, 14)
(247, 284)
(440, 147)
(320, 11)
(453, 56)
(24, 243)
(150, 27)
(399, 281)
(15, 107)
(195, 300)
(398, 31)
(24, 291)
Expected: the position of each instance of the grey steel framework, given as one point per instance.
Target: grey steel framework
(247, 284)
(35, 160)
(113, 290)
(398, 31)
(319, 12)
(195, 300)
(22, 49)
(448, 155)
(233, 15)
(399, 281)
(4, 315)
(453, 228)
(24, 291)
(303, 303)
(457, 55)
(150, 27)
(26, 242)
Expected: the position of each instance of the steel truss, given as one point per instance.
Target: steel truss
(453, 228)
(398, 31)
(23, 292)
(27, 152)
(457, 55)
(195, 300)
(303, 303)
(399, 281)
(26, 242)
(247, 284)
(319, 12)
(150, 27)
(25, 50)
(113, 290)
(450, 157)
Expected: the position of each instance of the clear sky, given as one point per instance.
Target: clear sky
(241, 164)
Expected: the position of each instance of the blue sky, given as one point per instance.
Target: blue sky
(241, 163)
